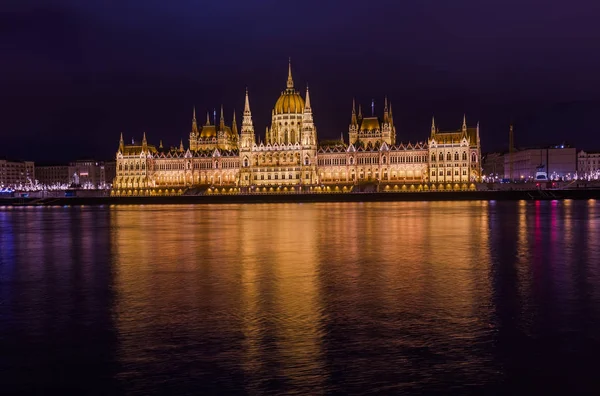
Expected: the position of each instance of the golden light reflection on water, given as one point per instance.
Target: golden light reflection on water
(306, 298)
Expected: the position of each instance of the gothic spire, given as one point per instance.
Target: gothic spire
(222, 120)
(290, 80)
(247, 104)
(194, 123)
(208, 118)
(121, 143)
(247, 127)
(464, 124)
(432, 126)
(360, 116)
(354, 122)
(234, 124)
(181, 145)
(385, 111)
(307, 102)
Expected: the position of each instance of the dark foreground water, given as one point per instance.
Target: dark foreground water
(447, 297)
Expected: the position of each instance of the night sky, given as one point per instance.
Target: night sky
(74, 74)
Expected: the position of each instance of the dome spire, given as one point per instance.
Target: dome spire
(290, 80)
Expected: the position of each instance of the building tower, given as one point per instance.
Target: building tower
(353, 128)
(247, 133)
(308, 127)
(194, 134)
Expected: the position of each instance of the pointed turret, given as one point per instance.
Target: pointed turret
(386, 115)
(307, 107)
(160, 145)
(432, 126)
(464, 124)
(222, 120)
(121, 144)
(372, 107)
(144, 142)
(194, 123)
(247, 131)
(234, 125)
(353, 121)
(208, 118)
(360, 116)
(290, 80)
(181, 146)
(308, 126)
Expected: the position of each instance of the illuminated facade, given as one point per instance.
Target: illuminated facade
(16, 173)
(588, 165)
(221, 160)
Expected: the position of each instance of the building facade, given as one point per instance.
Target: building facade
(493, 166)
(219, 159)
(53, 175)
(558, 162)
(588, 165)
(15, 174)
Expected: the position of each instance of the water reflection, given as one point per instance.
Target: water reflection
(302, 298)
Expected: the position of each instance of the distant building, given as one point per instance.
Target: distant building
(52, 175)
(493, 165)
(91, 173)
(588, 164)
(558, 162)
(108, 171)
(16, 173)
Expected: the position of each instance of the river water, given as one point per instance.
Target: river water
(337, 298)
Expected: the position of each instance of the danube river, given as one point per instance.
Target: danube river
(348, 298)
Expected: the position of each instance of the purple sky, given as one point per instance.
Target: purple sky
(74, 74)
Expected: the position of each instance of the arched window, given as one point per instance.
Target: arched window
(441, 156)
(448, 157)
(245, 162)
(456, 156)
(383, 160)
(351, 161)
(473, 157)
(306, 161)
(464, 156)
(432, 157)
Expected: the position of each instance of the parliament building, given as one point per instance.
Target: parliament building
(220, 159)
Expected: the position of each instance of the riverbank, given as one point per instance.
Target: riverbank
(307, 198)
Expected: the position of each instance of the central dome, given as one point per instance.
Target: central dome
(290, 101)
